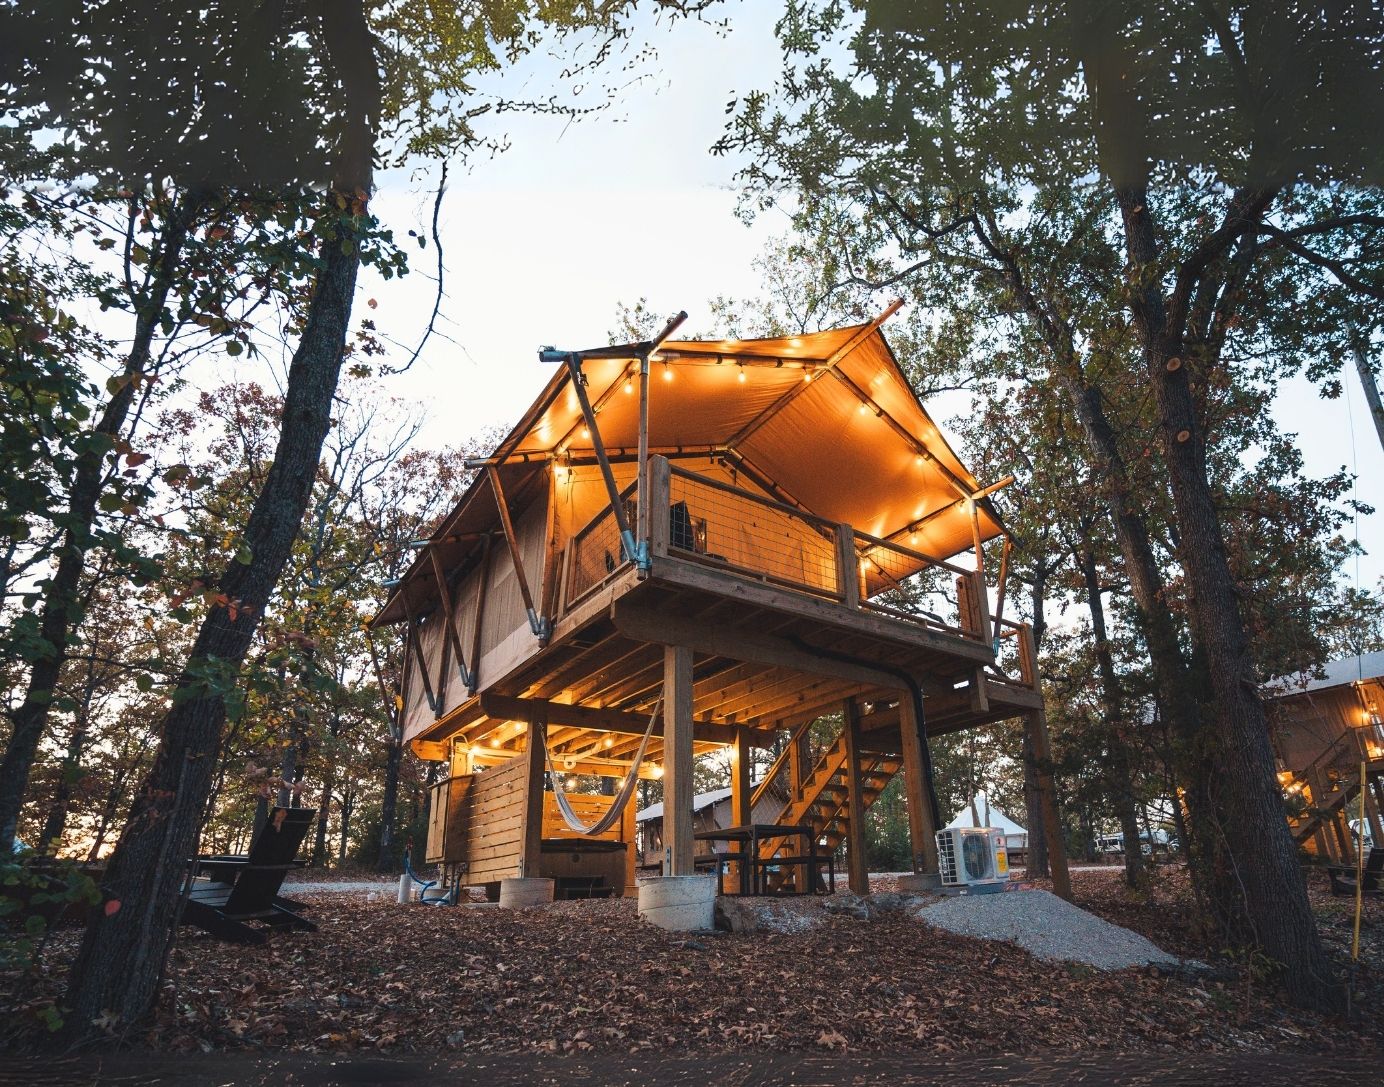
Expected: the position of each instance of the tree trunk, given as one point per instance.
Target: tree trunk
(1268, 908)
(348, 803)
(389, 807)
(1371, 388)
(1120, 763)
(1037, 850)
(319, 843)
(61, 611)
(123, 951)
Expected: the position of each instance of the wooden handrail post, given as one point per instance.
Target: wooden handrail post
(655, 509)
(847, 567)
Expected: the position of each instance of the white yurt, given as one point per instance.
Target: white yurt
(981, 813)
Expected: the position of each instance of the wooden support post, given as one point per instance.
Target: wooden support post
(677, 761)
(535, 772)
(1036, 722)
(657, 497)
(740, 777)
(629, 834)
(741, 796)
(855, 800)
(922, 827)
(847, 567)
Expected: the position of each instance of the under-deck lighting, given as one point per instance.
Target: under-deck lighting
(656, 770)
(667, 371)
(742, 373)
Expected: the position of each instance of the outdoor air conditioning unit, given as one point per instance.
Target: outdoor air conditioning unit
(972, 857)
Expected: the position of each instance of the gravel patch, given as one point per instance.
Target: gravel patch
(1046, 927)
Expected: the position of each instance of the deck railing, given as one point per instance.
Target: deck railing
(595, 554)
(722, 527)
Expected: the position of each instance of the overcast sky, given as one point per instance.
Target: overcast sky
(544, 241)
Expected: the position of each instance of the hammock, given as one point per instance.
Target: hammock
(622, 795)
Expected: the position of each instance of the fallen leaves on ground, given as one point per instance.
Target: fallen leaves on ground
(591, 976)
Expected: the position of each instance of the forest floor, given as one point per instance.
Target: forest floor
(589, 979)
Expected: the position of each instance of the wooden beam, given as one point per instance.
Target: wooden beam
(513, 541)
(847, 567)
(535, 771)
(689, 574)
(855, 802)
(1036, 723)
(922, 827)
(740, 778)
(716, 639)
(677, 761)
(603, 720)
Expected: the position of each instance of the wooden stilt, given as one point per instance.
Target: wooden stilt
(1036, 722)
(855, 800)
(533, 794)
(922, 827)
(740, 777)
(677, 761)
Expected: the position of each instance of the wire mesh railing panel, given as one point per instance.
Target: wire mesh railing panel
(596, 554)
(907, 584)
(722, 525)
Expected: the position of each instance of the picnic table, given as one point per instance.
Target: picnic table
(752, 867)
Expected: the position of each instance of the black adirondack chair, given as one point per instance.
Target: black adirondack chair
(237, 898)
(1343, 875)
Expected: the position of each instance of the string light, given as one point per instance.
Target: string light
(864, 408)
(586, 432)
(742, 373)
(667, 371)
(807, 373)
(656, 770)
(608, 742)
(629, 385)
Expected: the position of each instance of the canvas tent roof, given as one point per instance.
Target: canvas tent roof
(828, 418)
(998, 819)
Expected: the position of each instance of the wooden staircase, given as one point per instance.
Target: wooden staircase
(1333, 783)
(823, 803)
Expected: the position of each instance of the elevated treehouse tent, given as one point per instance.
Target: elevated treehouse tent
(759, 532)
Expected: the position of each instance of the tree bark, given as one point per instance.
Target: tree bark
(1371, 388)
(61, 601)
(1037, 846)
(1120, 768)
(389, 807)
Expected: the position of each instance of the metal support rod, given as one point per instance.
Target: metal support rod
(617, 508)
(538, 624)
(449, 614)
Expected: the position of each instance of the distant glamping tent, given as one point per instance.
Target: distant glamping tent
(980, 808)
(694, 546)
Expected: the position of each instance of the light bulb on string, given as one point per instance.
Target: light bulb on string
(667, 371)
(742, 373)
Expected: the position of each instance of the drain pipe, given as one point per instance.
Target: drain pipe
(915, 692)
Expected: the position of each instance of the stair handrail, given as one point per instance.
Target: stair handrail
(777, 765)
(1310, 772)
